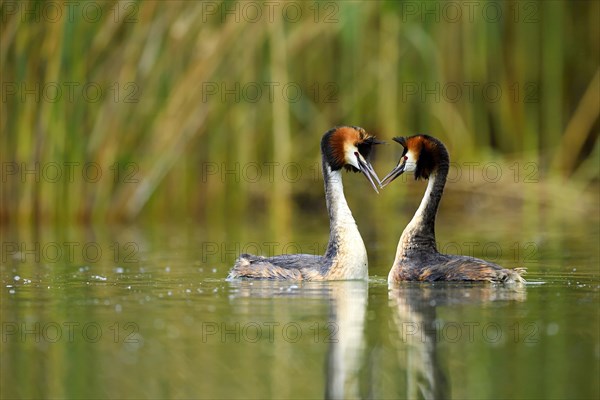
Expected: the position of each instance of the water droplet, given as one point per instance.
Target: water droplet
(552, 329)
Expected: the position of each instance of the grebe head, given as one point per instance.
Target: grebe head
(422, 155)
(350, 147)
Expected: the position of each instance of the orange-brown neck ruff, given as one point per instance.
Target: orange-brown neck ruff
(340, 138)
(429, 152)
(337, 144)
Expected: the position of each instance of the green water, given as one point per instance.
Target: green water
(145, 312)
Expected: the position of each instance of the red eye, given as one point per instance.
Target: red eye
(405, 158)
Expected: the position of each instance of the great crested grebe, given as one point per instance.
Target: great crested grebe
(346, 256)
(417, 258)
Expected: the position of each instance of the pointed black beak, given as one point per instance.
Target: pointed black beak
(396, 172)
(367, 169)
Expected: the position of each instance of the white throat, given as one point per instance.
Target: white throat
(336, 201)
(418, 217)
(345, 243)
(417, 220)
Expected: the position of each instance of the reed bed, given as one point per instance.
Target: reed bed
(205, 110)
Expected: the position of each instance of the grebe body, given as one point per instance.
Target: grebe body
(417, 258)
(346, 147)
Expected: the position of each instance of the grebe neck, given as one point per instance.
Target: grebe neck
(343, 231)
(419, 234)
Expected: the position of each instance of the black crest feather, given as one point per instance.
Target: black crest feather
(331, 147)
(431, 153)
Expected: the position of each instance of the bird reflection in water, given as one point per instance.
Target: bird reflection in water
(346, 338)
(414, 309)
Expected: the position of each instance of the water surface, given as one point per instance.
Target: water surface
(145, 311)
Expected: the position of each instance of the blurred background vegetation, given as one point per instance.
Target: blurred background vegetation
(191, 110)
